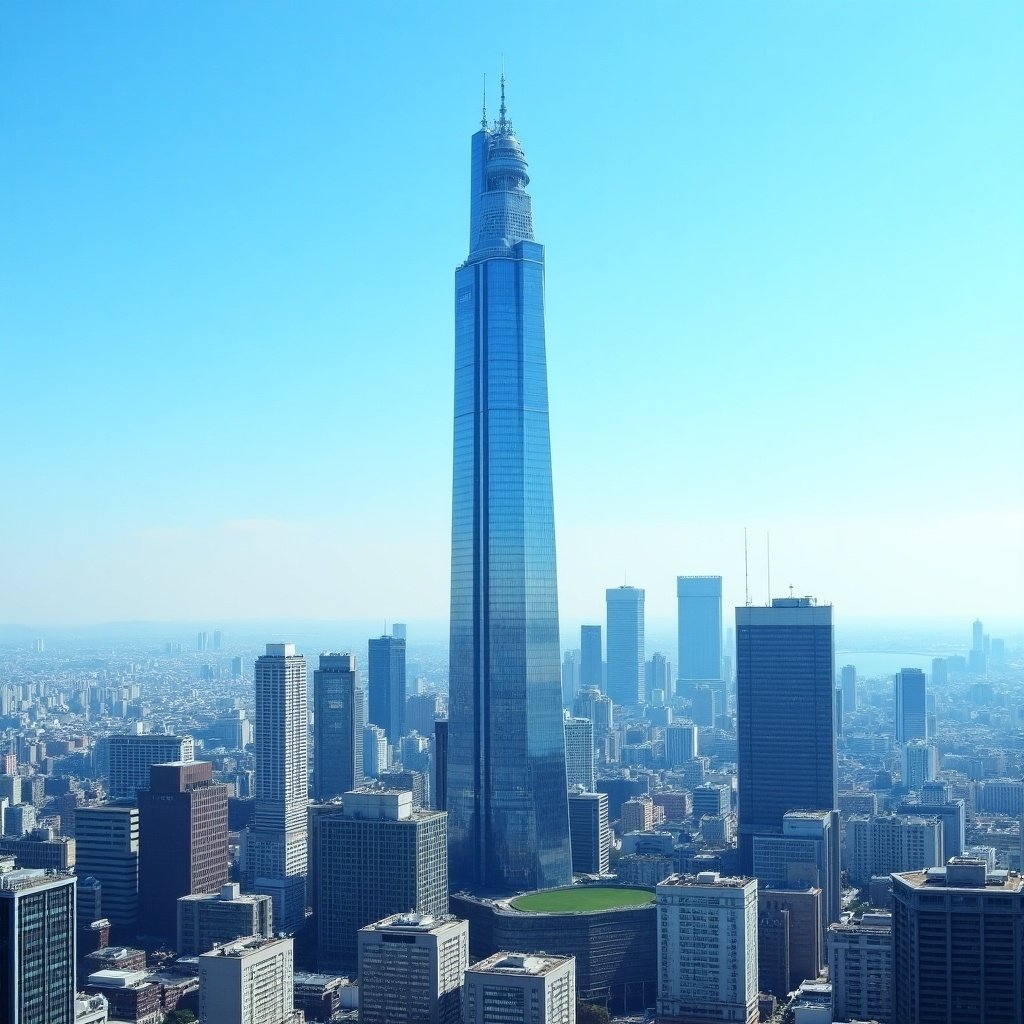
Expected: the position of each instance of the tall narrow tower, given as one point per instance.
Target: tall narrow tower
(508, 816)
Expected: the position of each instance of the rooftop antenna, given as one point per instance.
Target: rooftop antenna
(791, 590)
(768, 543)
(483, 115)
(503, 110)
(746, 569)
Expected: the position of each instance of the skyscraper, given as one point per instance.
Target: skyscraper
(579, 754)
(274, 853)
(848, 684)
(785, 715)
(625, 645)
(387, 686)
(700, 627)
(911, 708)
(130, 758)
(107, 849)
(337, 726)
(591, 657)
(507, 802)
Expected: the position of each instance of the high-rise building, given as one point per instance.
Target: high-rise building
(387, 686)
(183, 841)
(570, 677)
(521, 988)
(274, 850)
(882, 844)
(399, 630)
(700, 627)
(375, 752)
(707, 942)
(591, 657)
(940, 672)
(210, 919)
(625, 682)
(579, 753)
(107, 849)
(379, 857)
(952, 814)
(593, 704)
(338, 714)
(860, 968)
(440, 787)
(785, 715)
(130, 758)
(507, 803)
(249, 982)
(848, 684)
(958, 945)
(911, 705)
(588, 829)
(37, 947)
(804, 950)
(920, 763)
(680, 743)
(658, 677)
(411, 968)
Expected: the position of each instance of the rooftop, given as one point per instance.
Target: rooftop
(519, 964)
(705, 878)
(581, 899)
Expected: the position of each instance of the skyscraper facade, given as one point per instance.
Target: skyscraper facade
(911, 708)
(337, 726)
(387, 686)
(700, 627)
(591, 657)
(507, 802)
(785, 716)
(274, 860)
(625, 682)
(130, 758)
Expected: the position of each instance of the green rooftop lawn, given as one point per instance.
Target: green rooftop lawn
(581, 899)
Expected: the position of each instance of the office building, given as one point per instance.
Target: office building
(338, 714)
(940, 672)
(107, 849)
(681, 744)
(507, 804)
(911, 705)
(440, 787)
(570, 677)
(785, 715)
(40, 849)
(860, 968)
(376, 753)
(579, 753)
(706, 705)
(700, 628)
(637, 814)
(711, 799)
(658, 680)
(803, 933)
(848, 685)
(399, 630)
(882, 844)
(183, 833)
(274, 848)
(589, 832)
(422, 710)
(958, 945)
(591, 658)
(521, 988)
(210, 919)
(920, 763)
(249, 982)
(411, 968)
(593, 704)
(707, 949)
(380, 856)
(37, 942)
(773, 951)
(130, 758)
(387, 686)
(625, 673)
(952, 814)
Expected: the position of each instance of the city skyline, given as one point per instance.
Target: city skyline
(826, 240)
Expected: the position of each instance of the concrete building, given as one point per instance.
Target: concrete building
(882, 844)
(707, 942)
(848, 684)
(411, 968)
(130, 758)
(589, 833)
(183, 830)
(860, 968)
(521, 988)
(248, 982)
(274, 848)
(952, 814)
(920, 763)
(378, 857)
(637, 814)
(41, 849)
(681, 744)
(387, 687)
(210, 919)
(958, 945)
(579, 754)
(107, 849)
(591, 658)
(37, 946)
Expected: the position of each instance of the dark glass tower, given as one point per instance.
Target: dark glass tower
(785, 718)
(508, 816)
(387, 686)
(337, 726)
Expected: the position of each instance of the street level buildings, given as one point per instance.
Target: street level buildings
(506, 795)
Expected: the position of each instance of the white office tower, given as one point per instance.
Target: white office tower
(860, 968)
(707, 949)
(882, 844)
(579, 754)
(680, 744)
(130, 758)
(920, 764)
(411, 968)
(521, 988)
(248, 982)
(274, 851)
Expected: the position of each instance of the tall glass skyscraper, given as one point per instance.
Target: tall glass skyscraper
(700, 628)
(508, 814)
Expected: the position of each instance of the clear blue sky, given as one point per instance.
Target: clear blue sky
(785, 290)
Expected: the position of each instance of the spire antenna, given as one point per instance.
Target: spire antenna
(483, 115)
(504, 125)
